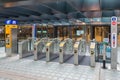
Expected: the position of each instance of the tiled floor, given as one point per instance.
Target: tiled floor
(13, 68)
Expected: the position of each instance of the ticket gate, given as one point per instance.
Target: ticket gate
(93, 51)
(52, 49)
(83, 46)
(79, 51)
(39, 49)
(66, 50)
(24, 48)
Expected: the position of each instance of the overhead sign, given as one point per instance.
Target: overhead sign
(114, 24)
(11, 22)
(113, 32)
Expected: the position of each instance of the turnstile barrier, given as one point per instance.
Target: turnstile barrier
(66, 48)
(79, 50)
(52, 49)
(83, 46)
(24, 48)
(93, 51)
(40, 48)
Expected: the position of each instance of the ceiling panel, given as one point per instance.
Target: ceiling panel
(110, 4)
(90, 5)
(92, 14)
(108, 13)
(53, 10)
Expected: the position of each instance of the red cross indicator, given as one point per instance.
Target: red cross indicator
(114, 23)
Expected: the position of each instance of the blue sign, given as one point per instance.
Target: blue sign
(10, 22)
(114, 19)
(34, 31)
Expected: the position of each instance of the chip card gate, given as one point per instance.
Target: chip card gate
(61, 50)
(92, 54)
(39, 49)
(11, 39)
(76, 52)
(48, 50)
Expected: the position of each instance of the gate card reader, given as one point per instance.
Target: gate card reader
(48, 51)
(40, 48)
(76, 52)
(61, 51)
(92, 54)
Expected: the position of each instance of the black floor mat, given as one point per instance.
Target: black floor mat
(41, 55)
(68, 58)
(83, 60)
(54, 56)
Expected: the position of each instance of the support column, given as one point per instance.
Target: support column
(55, 31)
(70, 31)
(114, 42)
(91, 32)
(63, 32)
(34, 34)
(84, 35)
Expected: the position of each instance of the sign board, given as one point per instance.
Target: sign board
(79, 32)
(106, 40)
(114, 40)
(114, 32)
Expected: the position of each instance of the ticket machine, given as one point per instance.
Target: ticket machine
(11, 39)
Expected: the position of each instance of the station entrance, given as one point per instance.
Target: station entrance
(102, 34)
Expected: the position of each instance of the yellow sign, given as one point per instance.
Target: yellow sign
(48, 44)
(62, 44)
(8, 35)
(76, 45)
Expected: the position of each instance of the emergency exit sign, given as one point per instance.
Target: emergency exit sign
(113, 32)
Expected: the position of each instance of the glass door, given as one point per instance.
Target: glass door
(101, 33)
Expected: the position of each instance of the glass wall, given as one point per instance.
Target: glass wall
(118, 35)
(102, 33)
